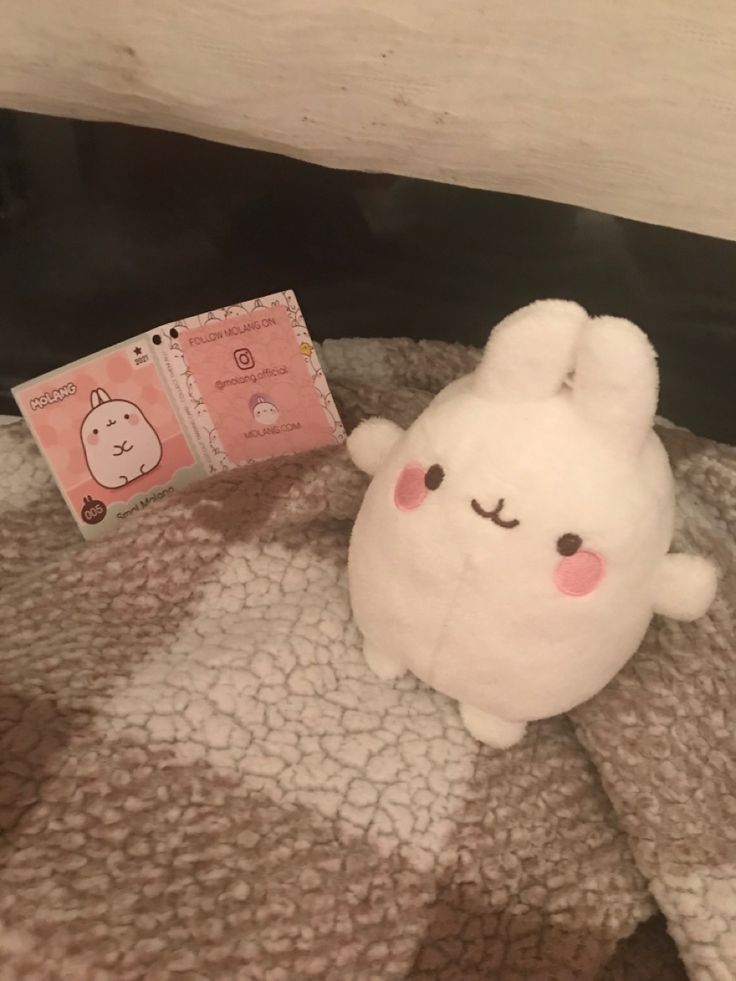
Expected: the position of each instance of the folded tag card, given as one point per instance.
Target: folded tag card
(126, 426)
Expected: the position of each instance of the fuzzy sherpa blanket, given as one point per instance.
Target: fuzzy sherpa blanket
(200, 779)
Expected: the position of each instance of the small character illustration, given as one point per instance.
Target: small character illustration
(330, 410)
(93, 511)
(264, 411)
(310, 356)
(120, 444)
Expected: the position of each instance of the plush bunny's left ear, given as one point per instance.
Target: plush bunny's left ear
(530, 353)
(616, 381)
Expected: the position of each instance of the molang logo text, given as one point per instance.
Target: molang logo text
(53, 397)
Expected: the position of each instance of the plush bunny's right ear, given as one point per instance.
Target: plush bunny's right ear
(98, 396)
(531, 352)
(616, 381)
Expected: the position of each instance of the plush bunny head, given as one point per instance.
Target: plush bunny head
(119, 443)
(510, 546)
(544, 464)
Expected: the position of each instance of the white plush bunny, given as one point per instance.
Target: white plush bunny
(512, 545)
(120, 444)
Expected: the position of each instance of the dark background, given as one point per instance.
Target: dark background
(108, 230)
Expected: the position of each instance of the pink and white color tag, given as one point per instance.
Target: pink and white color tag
(127, 426)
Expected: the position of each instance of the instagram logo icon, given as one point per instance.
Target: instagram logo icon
(243, 358)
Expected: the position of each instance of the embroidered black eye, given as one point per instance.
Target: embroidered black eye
(126, 416)
(568, 544)
(95, 431)
(434, 477)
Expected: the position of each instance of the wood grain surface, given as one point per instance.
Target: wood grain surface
(627, 108)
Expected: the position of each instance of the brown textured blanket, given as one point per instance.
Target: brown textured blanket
(200, 779)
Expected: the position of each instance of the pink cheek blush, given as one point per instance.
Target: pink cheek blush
(410, 490)
(579, 574)
(93, 439)
(133, 419)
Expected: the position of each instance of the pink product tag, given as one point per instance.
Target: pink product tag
(257, 383)
(125, 427)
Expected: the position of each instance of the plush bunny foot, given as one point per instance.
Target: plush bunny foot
(491, 730)
(382, 665)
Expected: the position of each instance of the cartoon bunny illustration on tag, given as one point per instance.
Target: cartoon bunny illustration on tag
(514, 542)
(120, 444)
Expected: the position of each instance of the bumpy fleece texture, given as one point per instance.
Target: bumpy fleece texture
(200, 778)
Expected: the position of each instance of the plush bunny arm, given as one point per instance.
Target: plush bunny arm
(686, 586)
(370, 443)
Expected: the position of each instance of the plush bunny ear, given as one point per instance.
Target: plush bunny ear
(530, 353)
(99, 395)
(616, 381)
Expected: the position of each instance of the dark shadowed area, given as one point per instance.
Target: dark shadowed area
(107, 230)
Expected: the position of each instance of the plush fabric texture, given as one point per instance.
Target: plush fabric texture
(201, 779)
(512, 546)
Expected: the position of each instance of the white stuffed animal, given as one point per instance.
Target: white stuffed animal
(512, 546)
(120, 444)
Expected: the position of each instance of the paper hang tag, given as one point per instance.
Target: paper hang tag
(127, 426)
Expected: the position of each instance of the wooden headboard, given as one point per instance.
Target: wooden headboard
(628, 108)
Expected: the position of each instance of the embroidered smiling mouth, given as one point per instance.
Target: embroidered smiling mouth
(495, 514)
(121, 448)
